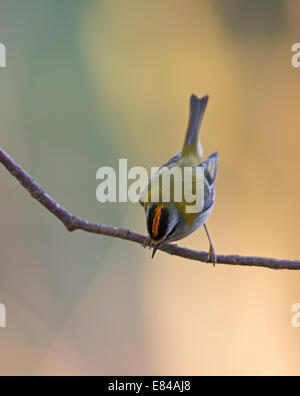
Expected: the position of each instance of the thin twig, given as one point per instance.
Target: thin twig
(73, 223)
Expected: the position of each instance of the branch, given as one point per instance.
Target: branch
(72, 223)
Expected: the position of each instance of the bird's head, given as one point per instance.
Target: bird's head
(161, 222)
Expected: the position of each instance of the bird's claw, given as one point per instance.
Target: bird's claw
(148, 243)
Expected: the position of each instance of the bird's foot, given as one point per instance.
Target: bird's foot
(148, 243)
(212, 257)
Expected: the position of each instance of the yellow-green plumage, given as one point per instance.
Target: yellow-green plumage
(176, 222)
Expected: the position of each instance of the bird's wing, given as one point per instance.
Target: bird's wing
(145, 192)
(211, 168)
(171, 161)
(210, 172)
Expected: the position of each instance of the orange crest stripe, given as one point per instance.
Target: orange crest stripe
(156, 220)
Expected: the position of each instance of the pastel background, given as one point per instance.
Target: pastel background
(89, 82)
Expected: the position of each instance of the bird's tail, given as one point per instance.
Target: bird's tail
(192, 143)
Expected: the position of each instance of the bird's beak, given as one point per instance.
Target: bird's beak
(155, 249)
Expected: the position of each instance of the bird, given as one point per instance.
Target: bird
(170, 220)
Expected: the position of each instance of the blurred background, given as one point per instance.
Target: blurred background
(89, 82)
